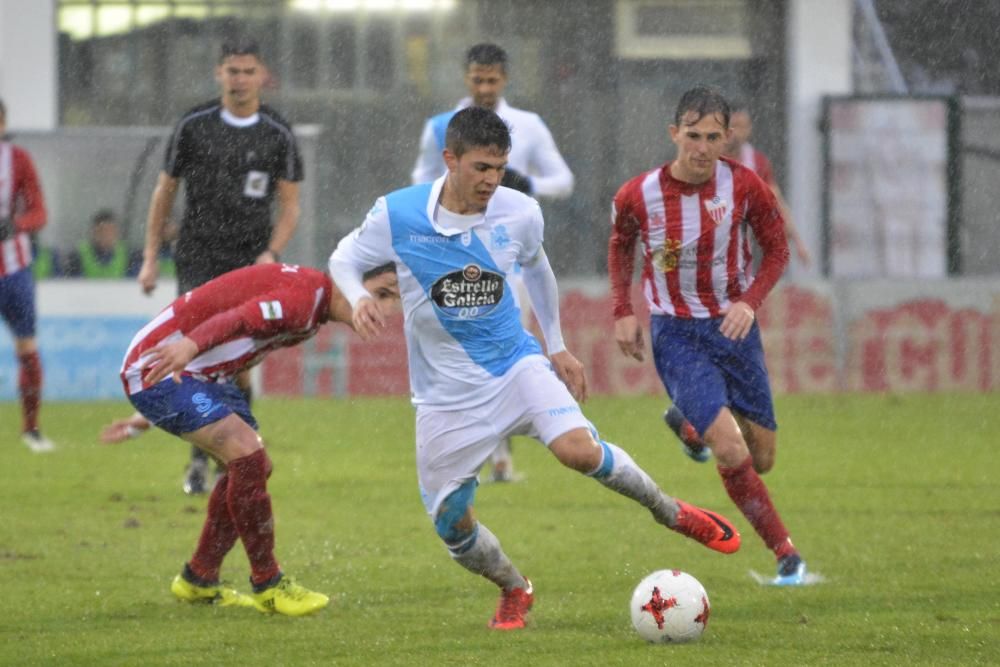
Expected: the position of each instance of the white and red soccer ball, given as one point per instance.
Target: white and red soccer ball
(670, 606)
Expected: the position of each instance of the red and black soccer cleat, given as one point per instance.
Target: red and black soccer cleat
(713, 530)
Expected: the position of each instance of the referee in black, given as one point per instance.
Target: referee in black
(237, 157)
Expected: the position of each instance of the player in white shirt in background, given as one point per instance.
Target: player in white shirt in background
(476, 376)
(534, 165)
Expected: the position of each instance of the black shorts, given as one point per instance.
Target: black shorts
(191, 274)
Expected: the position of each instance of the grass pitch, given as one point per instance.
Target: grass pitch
(895, 500)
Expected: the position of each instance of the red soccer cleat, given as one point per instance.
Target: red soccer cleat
(713, 530)
(513, 607)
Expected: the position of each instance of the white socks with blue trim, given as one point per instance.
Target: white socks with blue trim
(485, 557)
(623, 475)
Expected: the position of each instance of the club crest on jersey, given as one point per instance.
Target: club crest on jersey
(499, 237)
(665, 259)
(717, 208)
(468, 293)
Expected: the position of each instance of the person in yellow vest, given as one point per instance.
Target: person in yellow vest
(104, 255)
(47, 262)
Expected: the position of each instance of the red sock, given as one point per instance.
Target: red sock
(250, 508)
(218, 535)
(748, 491)
(30, 384)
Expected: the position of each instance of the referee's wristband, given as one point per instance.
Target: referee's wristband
(276, 255)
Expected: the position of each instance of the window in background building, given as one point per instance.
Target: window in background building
(682, 29)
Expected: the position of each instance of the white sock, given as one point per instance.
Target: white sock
(620, 473)
(481, 554)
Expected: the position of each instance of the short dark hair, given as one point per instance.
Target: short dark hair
(379, 270)
(104, 215)
(486, 54)
(703, 101)
(475, 127)
(239, 46)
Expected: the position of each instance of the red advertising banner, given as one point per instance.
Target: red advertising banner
(816, 338)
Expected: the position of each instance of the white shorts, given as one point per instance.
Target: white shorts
(452, 445)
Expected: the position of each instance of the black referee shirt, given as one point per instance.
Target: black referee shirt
(230, 167)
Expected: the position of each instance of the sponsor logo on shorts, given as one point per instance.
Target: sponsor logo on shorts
(204, 404)
(471, 292)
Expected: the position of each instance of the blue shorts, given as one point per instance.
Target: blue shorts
(703, 371)
(191, 405)
(17, 302)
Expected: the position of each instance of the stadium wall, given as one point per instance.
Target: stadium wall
(83, 330)
(819, 337)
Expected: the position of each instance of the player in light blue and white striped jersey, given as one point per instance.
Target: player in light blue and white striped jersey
(476, 375)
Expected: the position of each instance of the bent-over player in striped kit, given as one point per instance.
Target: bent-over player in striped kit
(178, 372)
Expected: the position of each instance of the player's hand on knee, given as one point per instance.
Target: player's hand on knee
(169, 359)
(368, 319)
(628, 335)
(737, 321)
(570, 371)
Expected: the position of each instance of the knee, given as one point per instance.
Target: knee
(729, 451)
(455, 522)
(233, 441)
(25, 346)
(579, 449)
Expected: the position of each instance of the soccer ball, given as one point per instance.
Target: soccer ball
(670, 606)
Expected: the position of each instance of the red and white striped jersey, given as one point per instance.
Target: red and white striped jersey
(21, 204)
(752, 158)
(695, 241)
(235, 319)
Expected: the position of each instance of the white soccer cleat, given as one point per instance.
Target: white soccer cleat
(37, 442)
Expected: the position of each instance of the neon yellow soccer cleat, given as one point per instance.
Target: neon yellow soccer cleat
(218, 594)
(289, 598)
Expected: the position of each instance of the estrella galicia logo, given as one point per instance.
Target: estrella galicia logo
(499, 237)
(204, 404)
(468, 293)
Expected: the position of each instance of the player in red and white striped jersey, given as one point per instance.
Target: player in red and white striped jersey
(179, 374)
(740, 149)
(22, 213)
(693, 216)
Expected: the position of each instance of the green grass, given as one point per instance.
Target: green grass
(896, 500)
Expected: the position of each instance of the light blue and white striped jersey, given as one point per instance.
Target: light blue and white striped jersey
(463, 328)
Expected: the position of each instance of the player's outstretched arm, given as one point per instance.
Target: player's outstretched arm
(367, 247)
(121, 430)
